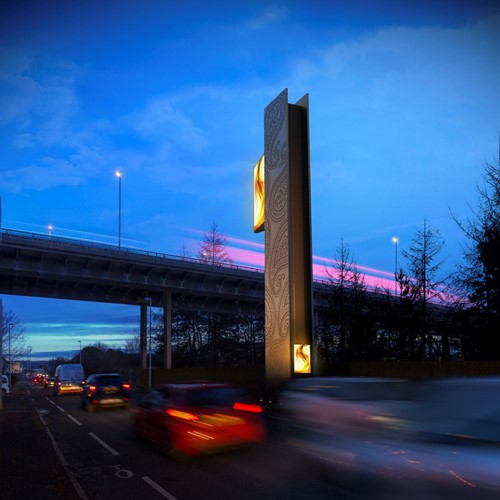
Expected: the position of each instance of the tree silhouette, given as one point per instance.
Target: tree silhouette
(348, 305)
(12, 331)
(479, 275)
(423, 284)
(212, 250)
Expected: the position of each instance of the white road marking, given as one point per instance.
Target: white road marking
(101, 442)
(64, 463)
(122, 473)
(61, 409)
(158, 488)
(77, 422)
(40, 414)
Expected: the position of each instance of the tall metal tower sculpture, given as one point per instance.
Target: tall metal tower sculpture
(288, 249)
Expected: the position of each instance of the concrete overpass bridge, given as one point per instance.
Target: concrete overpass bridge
(38, 265)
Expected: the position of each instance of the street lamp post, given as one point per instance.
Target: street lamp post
(119, 175)
(395, 241)
(10, 359)
(29, 359)
(80, 342)
(149, 300)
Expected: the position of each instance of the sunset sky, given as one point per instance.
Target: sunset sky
(404, 113)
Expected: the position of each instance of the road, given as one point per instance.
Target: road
(109, 463)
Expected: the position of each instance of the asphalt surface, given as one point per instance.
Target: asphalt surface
(30, 462)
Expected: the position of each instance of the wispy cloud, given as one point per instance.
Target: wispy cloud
(268, 16)
(160, 120)
(39, 106)
(421, 65)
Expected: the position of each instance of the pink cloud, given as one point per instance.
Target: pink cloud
(373, 278)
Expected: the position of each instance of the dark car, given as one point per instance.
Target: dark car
(39, 380)
(49, 383)
(192, 419)
(105, 390)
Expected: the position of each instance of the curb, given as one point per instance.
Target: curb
(64, 463)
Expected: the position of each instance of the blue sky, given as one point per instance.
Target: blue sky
(404, 112)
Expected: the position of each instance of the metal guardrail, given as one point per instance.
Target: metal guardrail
(120, 251)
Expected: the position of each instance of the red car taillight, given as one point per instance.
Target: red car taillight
(92, 388)
(183, 415)
(247, 407)
(126, 386)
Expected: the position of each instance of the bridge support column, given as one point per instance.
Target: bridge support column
(143, 339)
(167, 329)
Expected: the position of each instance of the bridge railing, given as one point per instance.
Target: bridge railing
(54, 241)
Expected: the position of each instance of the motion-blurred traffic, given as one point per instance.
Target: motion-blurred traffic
(198, 418)
(427, 436)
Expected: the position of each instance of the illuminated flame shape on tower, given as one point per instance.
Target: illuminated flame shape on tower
(258, 196)
(302, 361)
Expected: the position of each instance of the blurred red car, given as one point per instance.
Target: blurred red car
(198, 418)
(39, 380)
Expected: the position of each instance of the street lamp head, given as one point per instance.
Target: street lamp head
(395, 239)
(118, 173)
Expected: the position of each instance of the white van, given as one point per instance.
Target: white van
(5, 385)
(68, 379)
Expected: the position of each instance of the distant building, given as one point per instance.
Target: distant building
(17, 367)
